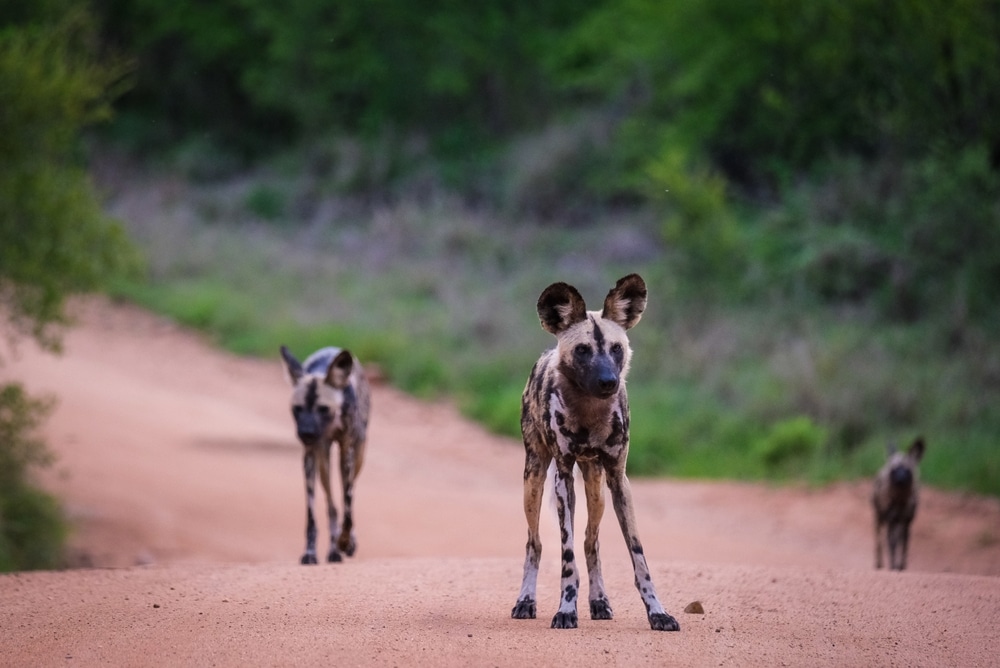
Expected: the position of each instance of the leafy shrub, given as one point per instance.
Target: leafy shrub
(789, 443)
(54, 238)
(32, 527)
(266, 203)
(768, 88)
(913, 240)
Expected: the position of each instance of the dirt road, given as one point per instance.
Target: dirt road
(179, 469)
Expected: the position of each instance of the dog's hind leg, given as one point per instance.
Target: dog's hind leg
(535, 469)
(309, 470)
(621, 497)
(593, 478)
(331, 511)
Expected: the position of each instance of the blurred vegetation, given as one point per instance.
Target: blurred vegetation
(55, 239)
(810, 189)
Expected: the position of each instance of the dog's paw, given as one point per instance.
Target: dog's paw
(524, 609)
(663, 622)
(334, 557)
(347, 544)
(308, 558)
(564, 620)
(601, 609)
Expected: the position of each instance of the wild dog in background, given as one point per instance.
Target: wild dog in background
(895, 502)
(574, 411)
(330, 402)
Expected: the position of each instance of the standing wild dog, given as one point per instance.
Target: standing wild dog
(895, 502)
(330, 402)
(574, 411)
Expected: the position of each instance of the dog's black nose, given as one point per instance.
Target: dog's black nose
(607, 384)
(901, 476)
(307, 428)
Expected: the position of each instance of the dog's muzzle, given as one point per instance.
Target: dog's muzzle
(604, 379)
(901, 476)
(308, 429)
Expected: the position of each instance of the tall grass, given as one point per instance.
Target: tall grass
(441, 295)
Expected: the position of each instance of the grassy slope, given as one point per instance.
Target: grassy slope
(442, 298)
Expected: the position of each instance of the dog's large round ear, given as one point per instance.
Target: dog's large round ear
(338, 374)
(560, 307)
(292, 365)
(626, 301)
(917, 448)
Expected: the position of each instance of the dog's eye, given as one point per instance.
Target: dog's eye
(616, 349)
(581, 349)
(323, 410)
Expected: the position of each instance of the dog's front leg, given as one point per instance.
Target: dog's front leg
(897, 535)
(535, 469)
(347, 541)
(309, 470)
(566, 616)
(333, 554)
(621, 497)
(904, 546)
(593, 478)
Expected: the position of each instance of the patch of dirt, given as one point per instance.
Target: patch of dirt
(179, 468)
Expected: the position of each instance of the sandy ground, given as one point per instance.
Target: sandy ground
(179, 469)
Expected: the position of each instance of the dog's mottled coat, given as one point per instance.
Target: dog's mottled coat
(574, 412)
(894, 500)
(330, 403)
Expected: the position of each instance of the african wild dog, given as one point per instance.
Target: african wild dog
(574, 411)
(330, 402)
(894, 500)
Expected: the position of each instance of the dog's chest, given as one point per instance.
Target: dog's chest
(590, 432)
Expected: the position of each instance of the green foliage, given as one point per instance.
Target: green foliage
(266, 203)
(442, 301)
(491, 395)
(789, 443)
(699, 219)
(812, 186)
(770, 87)
(54, 238)
(32, 527)
(913, 240)
(250, 67)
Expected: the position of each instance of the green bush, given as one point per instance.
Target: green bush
(32, 526)
(54, 237)
(768, 88)
(914, 240)
(266, 203)
(789, 443)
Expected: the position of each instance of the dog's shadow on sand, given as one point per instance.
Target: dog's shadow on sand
(249, 446)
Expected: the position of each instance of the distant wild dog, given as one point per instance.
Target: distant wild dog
(330, 402)
(574, 411)
(894, 500)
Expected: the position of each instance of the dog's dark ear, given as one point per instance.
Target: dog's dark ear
(917, 449)
(338, 374)
(626, 301)
(560, 307)
(292, 365)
